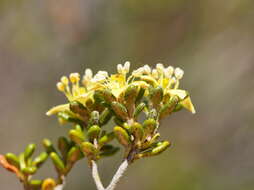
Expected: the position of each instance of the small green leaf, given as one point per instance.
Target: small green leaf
(48, 146)
(106, 139)
(156, 95)
(29, 151)
(12, 159)
(93, 132)
(77, 107)
(57, 162)
(63, 146)
(74, 154)
(137, 131)
(105, 116)
(88, 148)
(122, 136)
(120, 110)
(149, 126)
(30, 170)
(76, 136)
(139, 109)
(39, 160)
(108, 150)
(169, 107)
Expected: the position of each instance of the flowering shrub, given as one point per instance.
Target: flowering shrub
(92, 102)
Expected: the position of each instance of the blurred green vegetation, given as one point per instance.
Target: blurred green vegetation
(211, 40)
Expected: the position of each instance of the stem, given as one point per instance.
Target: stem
(61, 185)
(122, 168)
(96, 176)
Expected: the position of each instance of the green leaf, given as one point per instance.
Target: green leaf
(89, 149)
(120, 110)
(105, 116)
(12, 159)
(63, 146)
(57, 162)
(48, 146)
(76, 136)
(39, 160)
(74, 154)
(122, 136)
(106, 139)
(108, 150)
(139, 109)
(93, 132)
(29, 151)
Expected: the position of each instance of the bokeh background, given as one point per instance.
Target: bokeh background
(212, 40)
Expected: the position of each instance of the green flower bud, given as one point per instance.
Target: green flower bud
(76, 136)
(39, 160)
(105, 116)
(29, 151)
(120, 110)
(12, 159)
(139, 109)
(122, 136)
(93, 132)
(89, 149)
(57, 162)
(106, 139)
(48, 146)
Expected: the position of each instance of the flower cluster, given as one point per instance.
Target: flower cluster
(94, 100)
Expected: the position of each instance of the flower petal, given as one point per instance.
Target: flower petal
(59, 108)
(187, 104)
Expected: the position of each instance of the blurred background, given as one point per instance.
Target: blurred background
(212, 40)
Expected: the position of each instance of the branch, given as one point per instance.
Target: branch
(122, 168)
(96, 176)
